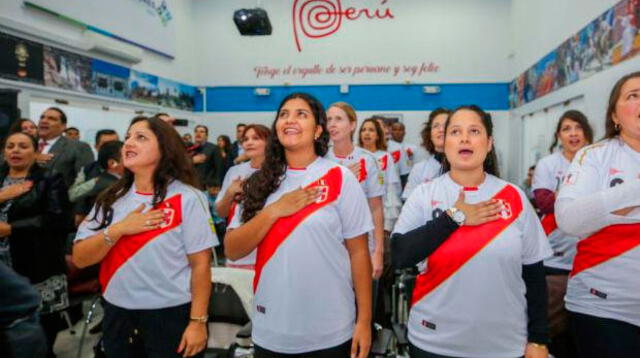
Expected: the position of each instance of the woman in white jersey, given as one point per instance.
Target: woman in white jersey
(254, 141)
(433, 141)
(599, 202)
(572, 133)
(152, 235)
(371, 138)
(309, 219)
(341, 123)
(482, 292)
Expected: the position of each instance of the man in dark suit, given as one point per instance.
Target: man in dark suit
(206, 158)
(60, 154)
(237, 153)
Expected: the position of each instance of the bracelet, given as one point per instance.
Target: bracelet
(107, 239)
(538, 345)
(201, 319)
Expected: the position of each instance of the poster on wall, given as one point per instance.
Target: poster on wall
(109, 79)
(606, 41)
(144, 87)
(67, 70)
(176, 95)
(21, 59)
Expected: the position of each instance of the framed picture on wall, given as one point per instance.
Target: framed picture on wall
(21, 59)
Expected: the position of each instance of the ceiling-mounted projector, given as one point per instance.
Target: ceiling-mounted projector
(252, 22)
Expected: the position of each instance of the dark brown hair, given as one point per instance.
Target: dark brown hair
(263, 132)
(491, 161)
(425, 134)
(174, 165)
(16, 127)
(265, 181)
(616, 91)
(577, 117)
(381, 142)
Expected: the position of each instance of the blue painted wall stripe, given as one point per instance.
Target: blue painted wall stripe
(489, 96)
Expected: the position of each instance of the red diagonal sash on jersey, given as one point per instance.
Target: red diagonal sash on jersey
(549, 223)
(331, 184)
(232, 212)
(362, 175)
(464, 244)
(608, 243)
(129, 245)
(396, 155)
(383, 161)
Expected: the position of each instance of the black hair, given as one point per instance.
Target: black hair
(102, 132)
(63, 116)
(577, 117)
(110, 150)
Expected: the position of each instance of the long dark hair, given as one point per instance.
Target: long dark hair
(174, 165)
(381, 142)
(491, 161)
(610, 127)
(577, 117)
(227, 144)
(268, 179)
(426, 130)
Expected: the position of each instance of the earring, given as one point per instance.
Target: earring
(616, 126)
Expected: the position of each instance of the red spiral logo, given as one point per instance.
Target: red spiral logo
(315, 19)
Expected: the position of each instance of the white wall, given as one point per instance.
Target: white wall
(180, 69)
(466, 38)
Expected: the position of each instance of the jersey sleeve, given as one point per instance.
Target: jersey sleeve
(535, 246)
(543, 177)
(413, 181)
(375, 186)
(353, 208)
(197, 224)
(236, 220)
(413, 212)
(89, 226)
(582, 178)
(228, 178)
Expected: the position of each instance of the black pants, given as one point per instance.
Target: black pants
(415, 352)
(51, 323)
(598, 337)
(144, 333)
(343, 350)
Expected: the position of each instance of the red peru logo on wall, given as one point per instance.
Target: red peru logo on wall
(316, 19)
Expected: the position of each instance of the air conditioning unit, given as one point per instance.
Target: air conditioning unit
(112, 48)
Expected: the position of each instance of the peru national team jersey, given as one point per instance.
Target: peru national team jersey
(371, 179)
(470, 299)
(422, 172)
(240, 171)
(400, 158)
(549, 173)
(388, 169)
(151, 270)
(304, 294)
(605, 280)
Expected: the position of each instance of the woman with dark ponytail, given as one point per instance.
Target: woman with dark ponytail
(309, 219)
(482, 292)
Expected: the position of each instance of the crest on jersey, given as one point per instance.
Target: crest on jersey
(324, 191)
(167, 217)
(571, 178)
(506, 212)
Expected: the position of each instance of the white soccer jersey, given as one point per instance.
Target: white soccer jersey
(240, 171)
(605, 280)
(470, 300)
(151, 269)
(370, 178)
(388, 169)
(399, 157)
(422, 172)
(304, 294)
(411, 152)
(548, 175)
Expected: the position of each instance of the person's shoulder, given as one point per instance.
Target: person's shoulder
(597, 151)
(189, 193)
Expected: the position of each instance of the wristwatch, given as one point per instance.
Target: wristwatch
(457, 215)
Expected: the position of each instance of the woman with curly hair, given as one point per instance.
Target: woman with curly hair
(151, 233)
(309, 219)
